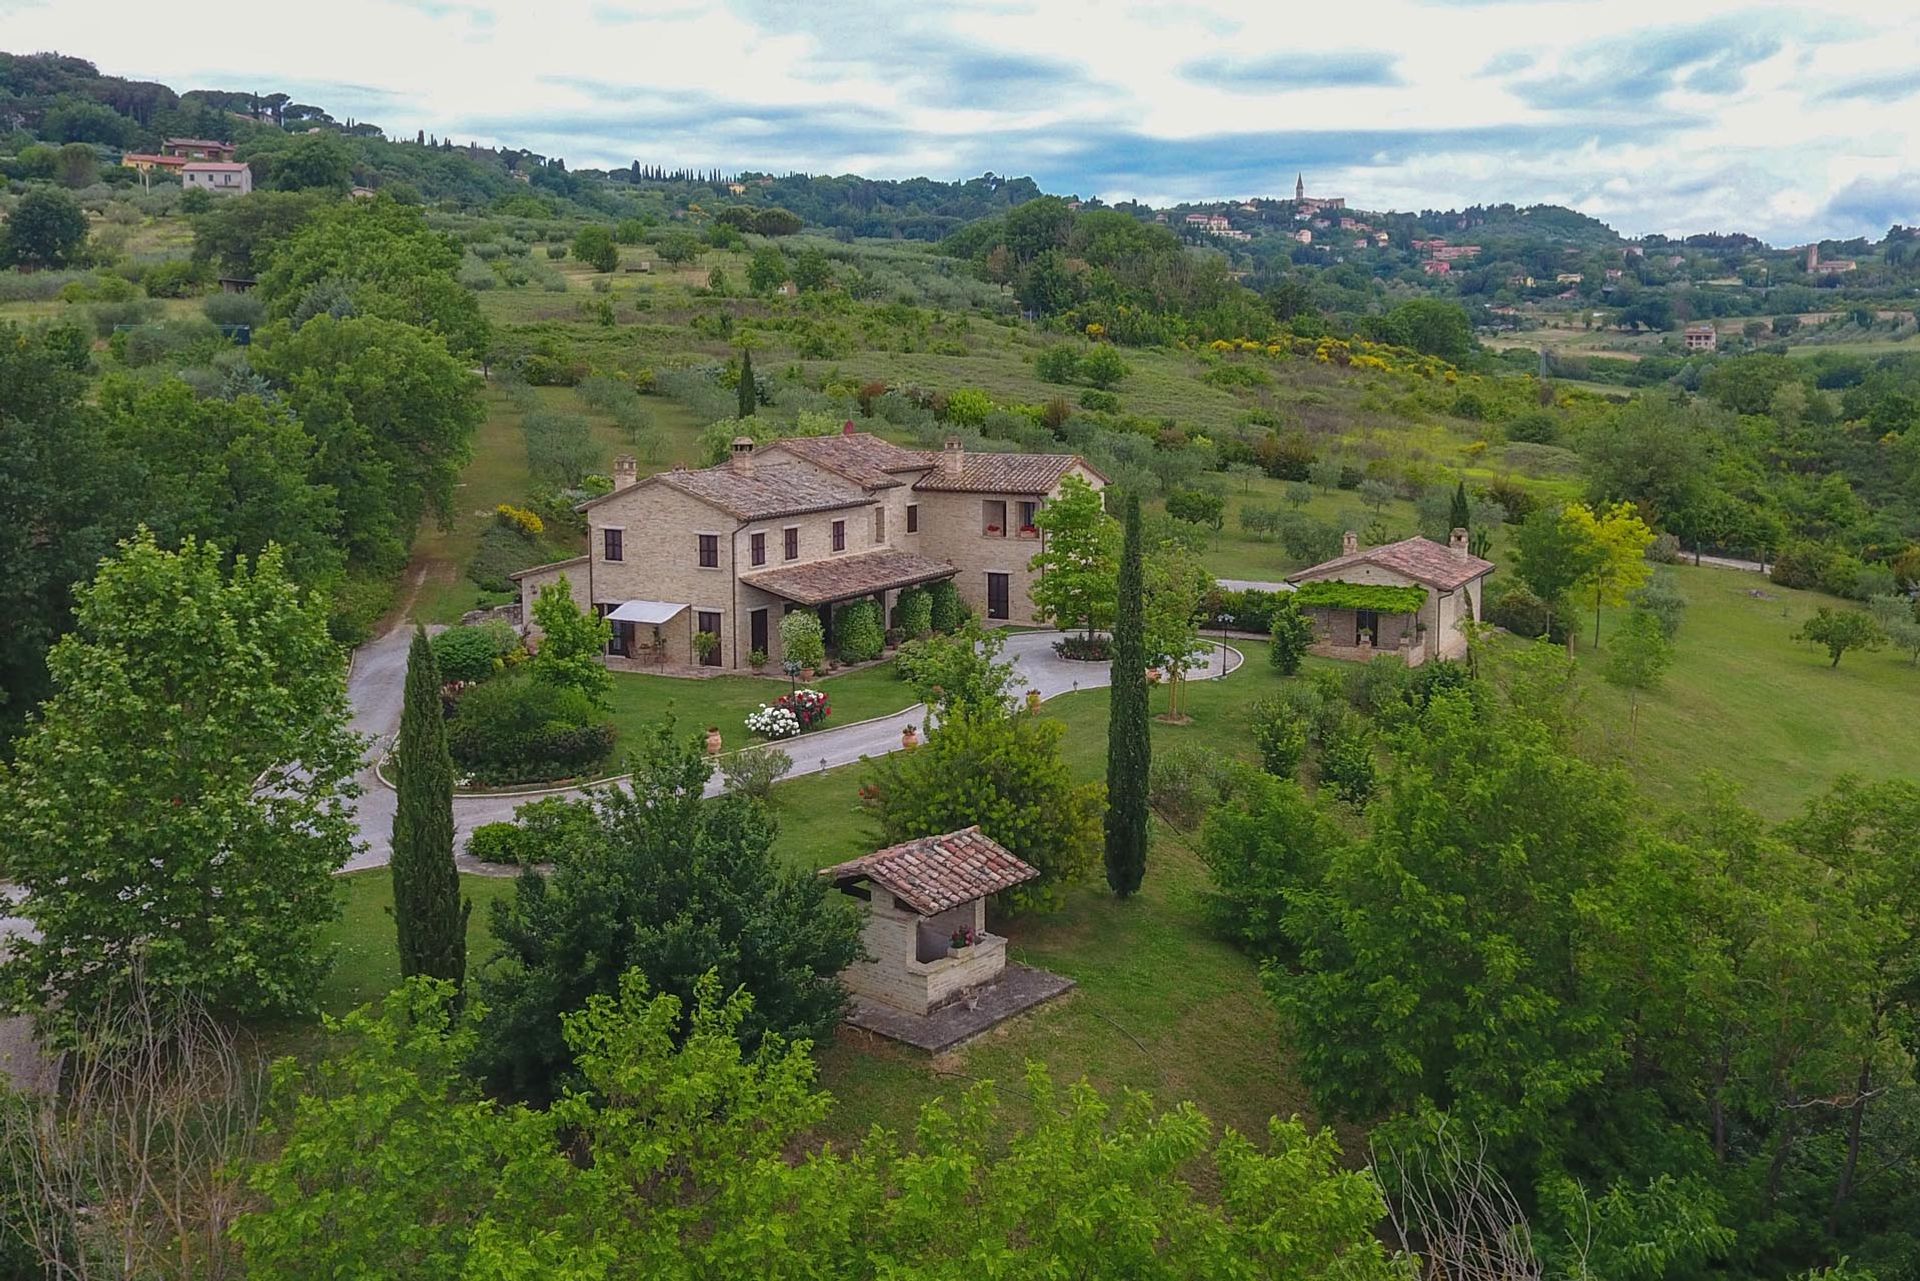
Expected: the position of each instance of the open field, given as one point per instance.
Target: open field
(1745, 701)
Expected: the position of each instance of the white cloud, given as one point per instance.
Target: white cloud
(1785, 121)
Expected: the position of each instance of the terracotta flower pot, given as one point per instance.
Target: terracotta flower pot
(1033, 701)
(713, 740)
(806, 673)
(910, 736)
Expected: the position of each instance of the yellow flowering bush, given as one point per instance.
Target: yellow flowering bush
(520, 520)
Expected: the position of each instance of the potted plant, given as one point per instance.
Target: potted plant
(1033, 701)
(993, 531)
(962, 939)
(713, 740)
(757, 660)
(705, 645)
(909, 736)
(1029, 531)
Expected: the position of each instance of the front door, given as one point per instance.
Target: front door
(997, 596)
(1366, 626)
(757, 625)
(708, 620)
(623, 639)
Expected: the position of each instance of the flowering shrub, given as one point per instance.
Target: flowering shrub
(790, 714)
(520, 520)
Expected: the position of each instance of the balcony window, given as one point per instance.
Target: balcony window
(1026, 511)
(993, 518)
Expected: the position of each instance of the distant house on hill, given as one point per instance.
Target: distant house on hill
(1568, 278)
(197, 149)
(222, 178)
(148, 163)
(1304, 236)
(1700, 338)
(1437, 267)
(1408, 598)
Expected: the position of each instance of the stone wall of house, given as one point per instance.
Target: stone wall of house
(574, 571)
(953, 528)
(1437, 635)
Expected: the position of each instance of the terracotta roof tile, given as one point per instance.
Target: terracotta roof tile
(934, 873)
(786, 492)
(817, 582)
(862, 458)
(1001, 474)
(1421, 559)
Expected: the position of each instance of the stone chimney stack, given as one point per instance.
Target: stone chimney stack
(1458, 541)
(953, 458)
(626, 472)
(743, 455)
(1349, 543)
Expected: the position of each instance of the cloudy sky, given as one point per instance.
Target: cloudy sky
(1787, 121)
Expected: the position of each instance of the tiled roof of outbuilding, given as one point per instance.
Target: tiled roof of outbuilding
(1421, 559)
(934, 873)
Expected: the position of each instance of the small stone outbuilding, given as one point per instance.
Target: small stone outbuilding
(926, 933)
(1407, 599)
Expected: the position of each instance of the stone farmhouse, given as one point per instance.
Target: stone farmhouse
(1407, 598)
(804, 523)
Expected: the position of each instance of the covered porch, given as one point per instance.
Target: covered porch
(649, 635)
(826, 585)
(1360, 621)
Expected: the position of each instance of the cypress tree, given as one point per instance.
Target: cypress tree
(1129, 745)
(749, 395)
(428, 912)
(1461, 516)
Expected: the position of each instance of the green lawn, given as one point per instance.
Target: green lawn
(726, 700)
(1745, 701)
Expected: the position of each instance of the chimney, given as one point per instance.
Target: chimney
(953, 458)
(1349, 543)
(846, 428)
(1458, 541)
(743, 455)
(626, 472)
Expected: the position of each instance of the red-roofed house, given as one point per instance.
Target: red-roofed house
(810, 522)
(146, 162)
(197, 149)
(1407, 598)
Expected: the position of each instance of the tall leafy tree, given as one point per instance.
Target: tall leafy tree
(47, 228)
(677, 887)
(180, 807)
(63, 494)
(375, 258)
(1617, 541)
(571, 643)
(674, 1161)
(1129, 738)
(236, 472)
(1292, 633)
(1077, 567)
(392, 415)
(1176, 585)
(1551, 556)
(1637, 659)
(1005, 773)
(428, 913)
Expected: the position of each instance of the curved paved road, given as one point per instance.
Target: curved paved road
(377, 684)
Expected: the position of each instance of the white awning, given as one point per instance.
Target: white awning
(645, 611)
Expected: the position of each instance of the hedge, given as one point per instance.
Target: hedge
(1328, 594)
(860, 631)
